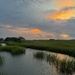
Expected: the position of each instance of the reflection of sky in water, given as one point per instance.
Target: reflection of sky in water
(60, 56)
(3, 44)
(26, 65)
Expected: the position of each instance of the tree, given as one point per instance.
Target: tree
(21, 38)
(1, 39)
(15, 39)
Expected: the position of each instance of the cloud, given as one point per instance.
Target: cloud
(37, 31)
(65, 36)
(64, 3)
(20, 30)
(38, 34)
(39, 19)
(65, 9)
(65, 13)
(6, 26)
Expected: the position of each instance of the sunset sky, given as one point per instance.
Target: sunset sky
(37, 19)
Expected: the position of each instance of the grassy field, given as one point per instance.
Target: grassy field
(58, 46)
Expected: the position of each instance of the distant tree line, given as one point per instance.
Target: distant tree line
(1, 39)
(15, 39)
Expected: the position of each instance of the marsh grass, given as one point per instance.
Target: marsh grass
(58, 46)
(39, 55)
(67, 66)
(64, 66)
(17, 50)
(51, 58)
(13, 49)
(1, 60)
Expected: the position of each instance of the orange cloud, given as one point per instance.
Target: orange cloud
(36, 31)
(64, 3)
(25, 30)
(63, 14)
(66, 10)
(64, 36)
(37, 34)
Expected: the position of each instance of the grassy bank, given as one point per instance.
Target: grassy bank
(58, 46)
(13, 49)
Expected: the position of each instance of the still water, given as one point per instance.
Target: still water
(26, 64)
(3, 44)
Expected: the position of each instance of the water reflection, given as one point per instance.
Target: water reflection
(1, 60)
(3, 44)
(39, 55)
(64, 66)
(47, 63)
(1, 63)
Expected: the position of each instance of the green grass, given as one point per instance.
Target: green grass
(58, 46)
(67, 66)
(39, 55)
(13, 49)
(51, 58)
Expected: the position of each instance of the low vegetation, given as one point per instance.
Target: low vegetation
(13, 49)
(58, 46)
(39, 55)
(1, 60)
(64, 66)
(67, 66)
(51, 58)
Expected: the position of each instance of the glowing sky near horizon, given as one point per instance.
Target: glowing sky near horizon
(38, 19)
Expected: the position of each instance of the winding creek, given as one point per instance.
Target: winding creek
(26, 64)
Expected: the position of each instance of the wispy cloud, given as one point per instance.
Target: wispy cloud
(65, 36)
(64, 3)
(6, 26)
(37, 33)
(65, 13)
